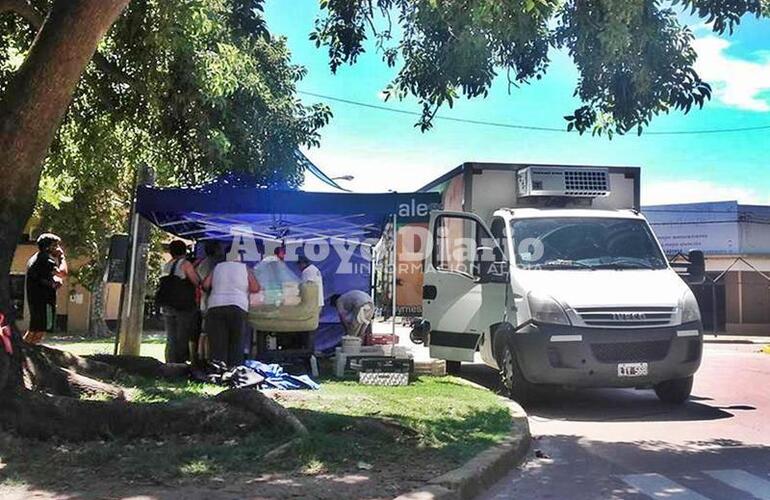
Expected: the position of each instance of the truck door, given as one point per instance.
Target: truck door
(456, 302)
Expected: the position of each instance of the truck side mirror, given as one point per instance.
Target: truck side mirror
(491, 266)
(696, 266)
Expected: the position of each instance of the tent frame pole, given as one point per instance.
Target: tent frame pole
(394, 259)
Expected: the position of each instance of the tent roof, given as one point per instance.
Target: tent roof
(212, 212)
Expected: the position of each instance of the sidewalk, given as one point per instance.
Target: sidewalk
(734, 339)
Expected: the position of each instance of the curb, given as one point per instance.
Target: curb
(486, 468)
(736, 339)
(729, 341)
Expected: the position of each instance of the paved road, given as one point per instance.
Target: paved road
(625, 444)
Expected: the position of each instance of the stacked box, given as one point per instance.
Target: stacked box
(432, 367)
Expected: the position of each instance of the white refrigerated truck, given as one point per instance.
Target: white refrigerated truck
(554, 277)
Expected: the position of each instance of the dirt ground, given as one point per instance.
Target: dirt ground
(373, 479)
(387, 482)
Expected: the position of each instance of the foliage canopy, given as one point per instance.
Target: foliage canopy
(193, 88)
(634, 57)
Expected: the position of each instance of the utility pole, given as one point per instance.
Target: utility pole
(132, 316)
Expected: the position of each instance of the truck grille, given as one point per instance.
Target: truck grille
(626, 317)
(620, 352)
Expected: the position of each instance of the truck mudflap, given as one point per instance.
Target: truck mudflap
(585, 357)
(453, 346)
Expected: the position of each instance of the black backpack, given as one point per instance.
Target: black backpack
(175, 292)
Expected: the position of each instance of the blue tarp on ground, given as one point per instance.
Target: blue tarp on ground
(291, 217)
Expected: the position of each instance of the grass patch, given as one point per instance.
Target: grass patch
(444, 414)
(153, 345)
(143, 390)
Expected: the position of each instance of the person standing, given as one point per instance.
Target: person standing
(356, 311)
(180, 322)
(214, 255)
(229, 286)
(310, 273)
(45, 274)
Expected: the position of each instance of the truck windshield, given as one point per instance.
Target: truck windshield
(589, 243)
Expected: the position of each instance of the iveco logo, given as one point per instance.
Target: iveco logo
(628, 316)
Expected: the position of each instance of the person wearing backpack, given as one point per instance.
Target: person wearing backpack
(176, 296)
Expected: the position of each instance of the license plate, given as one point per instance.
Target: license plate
(632, 369)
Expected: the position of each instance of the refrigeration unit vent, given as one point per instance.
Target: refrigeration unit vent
(560, 181)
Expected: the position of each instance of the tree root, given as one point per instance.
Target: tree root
(281, 450)
(236, 411)
(85, 386)
(57, 372)
(143, 366)
(257, 403)
(29, 411)
(79, 364)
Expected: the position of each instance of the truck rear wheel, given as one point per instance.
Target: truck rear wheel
(675, 391)
(514, 384)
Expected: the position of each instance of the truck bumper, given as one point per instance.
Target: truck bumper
(589, 357)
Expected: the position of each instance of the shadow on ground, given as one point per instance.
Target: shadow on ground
(608, 405)
(344, 457)
(573, 467)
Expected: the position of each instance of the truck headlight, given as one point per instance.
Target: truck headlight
(545, 309)
(690, 308)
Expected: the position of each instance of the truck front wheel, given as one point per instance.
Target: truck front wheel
(514, 384)
(675, 391)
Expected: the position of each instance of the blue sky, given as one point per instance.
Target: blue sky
(384, 151)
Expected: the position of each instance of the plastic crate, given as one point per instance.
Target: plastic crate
(383, 378)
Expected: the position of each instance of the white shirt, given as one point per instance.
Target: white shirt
(313, 275)
(204, 269)
(229, 286)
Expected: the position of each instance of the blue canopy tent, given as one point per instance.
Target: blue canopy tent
(357, 221)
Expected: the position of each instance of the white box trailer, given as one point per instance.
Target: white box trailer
(485, 187)
(551, 273)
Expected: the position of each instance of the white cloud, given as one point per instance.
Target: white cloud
(736, 82)
(693, 191)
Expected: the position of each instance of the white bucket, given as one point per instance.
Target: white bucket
(351, 344)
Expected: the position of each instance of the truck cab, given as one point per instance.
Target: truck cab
(567, 296)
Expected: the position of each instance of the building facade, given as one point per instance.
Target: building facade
(735, 239)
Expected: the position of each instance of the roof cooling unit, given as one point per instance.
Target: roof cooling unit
(560, 181)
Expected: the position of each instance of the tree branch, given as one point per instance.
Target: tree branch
(24, 9)
(111, 70)
(35, 19)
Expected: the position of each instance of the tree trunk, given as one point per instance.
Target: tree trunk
(97, 326)
(31, 110)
